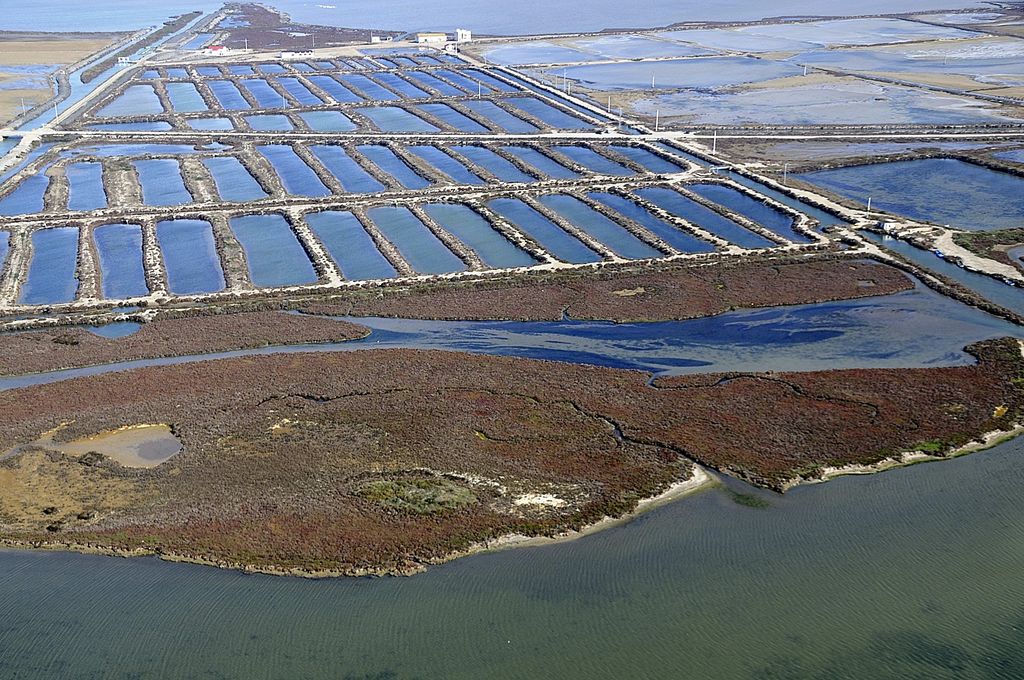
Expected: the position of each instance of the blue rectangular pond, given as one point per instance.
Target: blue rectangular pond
(752, 209)
(327, 121)
(550, 236)
(271, 122)
(136, 100)
(140, 126)
(351, 175)
(542, 162)
(85, 186)
(653, 162)
(394, 119)
(503, 118)
(408, 90)
(452, 117)
(120, 255)
(417, 244)
(51, 273)
(427, 79)
(468, 84)
(338, 92)
(185, 98)
(446, 164)
(942, 190)
(296, 89)
(471, 228)
(370, 88)
(297, 177)
(500, 167)
(703, 217)
(612, 235)
(677, 238)
(350, 246)
(190, 257)
(266, 96)
(593, 160)
(210, 124)
(272, 251)
(228, 95)
(234, 183)
(556, 118)
(161, 182)
(385, 159)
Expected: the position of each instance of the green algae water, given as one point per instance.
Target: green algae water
(910, 573)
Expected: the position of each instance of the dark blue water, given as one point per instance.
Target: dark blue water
(678, 239)
(297, 177)
(553, 239)
(27, 197)
(752, 209)
(85, 186)
(120, 258)
(228, 95)
(495, 113)
(943, 190)
(500, 167)
(394, 119)
(709, 220)
(270, 123)
(472, 229)
(593, 160)
(266, 96)
(327, 121)
(368, 87)
(300, 92)
(491, 81)
(618, 240)
(161, 182)
(651, 161)
(339, 92)
(544, 163)
(51, 273)
(136, 100)
(185, 98)
(430, 81)
(190, 257)
(386, 160)
(350, 246)
(211, 124)
(446, 164)
(351, 175)
(272, 251)
(417, 244)
(234, 183)
(1010, 297)
(449, 115)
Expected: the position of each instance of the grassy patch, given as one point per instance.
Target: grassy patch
(420, 496)
(934, 446)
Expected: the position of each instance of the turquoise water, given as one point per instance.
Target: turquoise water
(350, 246)
(120, 258)
(943, 190)
(272, 251)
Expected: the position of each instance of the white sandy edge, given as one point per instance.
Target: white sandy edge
(700, 479)
(906, 458)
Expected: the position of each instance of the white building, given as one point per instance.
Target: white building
(463, 35)
(296, 54)
(431, 38)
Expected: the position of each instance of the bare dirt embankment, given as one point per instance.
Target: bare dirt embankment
(385, 460)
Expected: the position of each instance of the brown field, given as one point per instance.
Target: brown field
(383, 460)
(670, 293)
(69, 347)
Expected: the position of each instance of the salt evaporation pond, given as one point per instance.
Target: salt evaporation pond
(120, 258)
(350, 246)
(51, 273)
(190, 257)
(682, 73)
(550, 236)
(615, 237)
(233, 181)
(417, 244)
(472, 229)
(707, 219)
(272, 252)
(352, 176)
(942, 190)
(85, 186)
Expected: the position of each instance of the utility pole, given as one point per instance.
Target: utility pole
(714, 143)
(609, 103)
(657, 119)
(652, 81)
(785, 172)
(869, 204)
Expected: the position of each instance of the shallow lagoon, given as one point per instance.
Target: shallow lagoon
(943, 190)
(682, 73)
